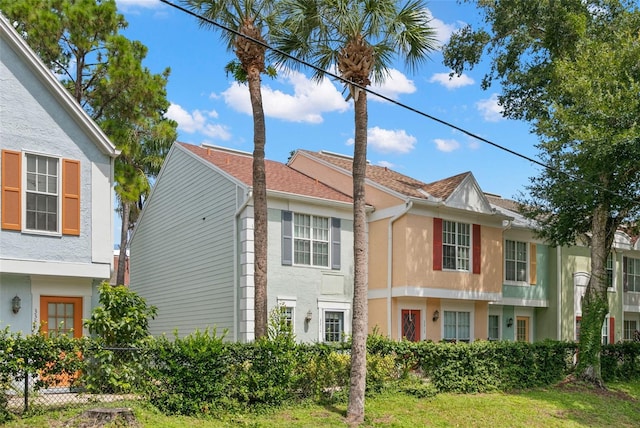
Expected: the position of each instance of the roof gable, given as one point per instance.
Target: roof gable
(280, 177)
(10, 37)
(463, 192)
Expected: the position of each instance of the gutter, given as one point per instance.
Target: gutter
(392, 220)
(236, 279)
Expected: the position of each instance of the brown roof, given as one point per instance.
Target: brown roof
(395, 181)
(508, 204)
(280, 177)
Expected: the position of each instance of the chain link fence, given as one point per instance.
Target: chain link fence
(106, 375)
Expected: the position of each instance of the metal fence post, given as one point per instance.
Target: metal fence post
(26, 391)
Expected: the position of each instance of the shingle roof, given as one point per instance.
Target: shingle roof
(508, 204)
(280, 177)
(395, 181)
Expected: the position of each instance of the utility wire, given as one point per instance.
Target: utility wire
(398, 103)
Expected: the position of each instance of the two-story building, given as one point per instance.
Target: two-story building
(192, 251)
(56, 197)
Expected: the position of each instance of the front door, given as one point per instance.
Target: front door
(411, 324)
(61, 315)
(522, 329)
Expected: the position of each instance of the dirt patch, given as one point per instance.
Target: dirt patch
(100, 417)
(572, 384)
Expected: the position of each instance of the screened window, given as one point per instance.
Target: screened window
(310, 240)
(333, 326)
(609, 271)
(630, 327)
(42, 190)
(631, 274)
(456, 245)
(605, 331)
(457, 326)
(287, 316)
(494, 327)
(515, 261)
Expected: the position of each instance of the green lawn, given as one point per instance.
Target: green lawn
(560, 406)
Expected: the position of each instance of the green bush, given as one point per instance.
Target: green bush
(620, 361)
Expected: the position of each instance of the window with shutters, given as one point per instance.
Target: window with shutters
(456, 245)
(631, 274)
(42, 193)
(309, 240)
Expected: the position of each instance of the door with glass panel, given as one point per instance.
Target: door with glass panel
(522, 329)
(411, 324)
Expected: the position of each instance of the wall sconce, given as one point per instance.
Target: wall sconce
(436, 315)
(308, 317)
(15, 304)
(509, 322)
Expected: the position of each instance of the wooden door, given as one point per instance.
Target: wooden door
(61, 315)
(522, 329)
(411, 324)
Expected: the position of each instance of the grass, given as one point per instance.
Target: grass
(564, 405)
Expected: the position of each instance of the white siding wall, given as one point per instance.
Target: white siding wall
(182, 250)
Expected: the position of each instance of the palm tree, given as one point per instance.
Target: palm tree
(361, 38)
(249, 18)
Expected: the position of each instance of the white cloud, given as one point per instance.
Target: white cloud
(307, 103)
(394, 85)
(451, 82)
(198, 122)
(490, 109)
(385, 164)
(443, 31)
(388, 140)
(446, 145)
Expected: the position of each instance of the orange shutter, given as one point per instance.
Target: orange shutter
(533, 265)
(437, 244)
(477, 249)
(11, 190)
(70, 197)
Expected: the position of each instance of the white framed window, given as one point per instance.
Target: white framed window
(630, 328)
(494, 327)
(287, 307)
(456, 245)
(609, 272)
(310, 240)
(631, 274)
(335, 320)
(42, 193)
(333, 326)
(457, 326)
(605, 331)
(516, 261)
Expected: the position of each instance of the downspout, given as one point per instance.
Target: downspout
(559, 285)
(392, 220)
(236, 279)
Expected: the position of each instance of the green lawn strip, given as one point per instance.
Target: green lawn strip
(563, 406)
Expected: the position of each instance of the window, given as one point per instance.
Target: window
(333, 326)
(42, 193)
(456, 245)
(578, 325)
(630, 327)
(494, 327)
(631, 274)
(61, 316)
(515, 261)
(309, 240)
(605, 331)
(522, 329)
(609, 271)
(457, 326)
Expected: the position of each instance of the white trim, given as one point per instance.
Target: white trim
(61, 287)
(24, 192)
(514, 301)
(36, 267)
(423, 321)
(340, 305)
(631, 308)
(442, 293)
(446, 306)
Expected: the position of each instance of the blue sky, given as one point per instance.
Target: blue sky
(211, 108)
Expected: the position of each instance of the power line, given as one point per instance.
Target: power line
(398, 103)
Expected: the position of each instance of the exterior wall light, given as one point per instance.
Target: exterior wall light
(308, 317)
(509, 322)
(15, 304)
(436, 315)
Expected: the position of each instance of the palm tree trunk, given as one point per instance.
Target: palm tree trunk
(124, 241)
(355, 409)
(259, 205)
